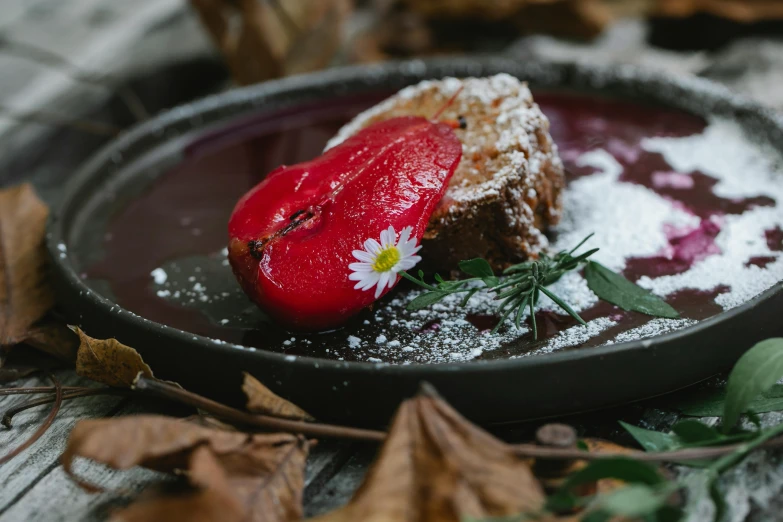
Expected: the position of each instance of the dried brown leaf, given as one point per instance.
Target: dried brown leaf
(319, 36)
(553, 482)
(25, 294)
(235, 476)
(435, 466)
(108, 361)
(264, 40)
(261, 399)
(54, 338)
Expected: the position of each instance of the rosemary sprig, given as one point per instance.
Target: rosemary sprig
(519, 289)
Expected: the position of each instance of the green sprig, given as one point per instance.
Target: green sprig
(518, 290)
(520, 286)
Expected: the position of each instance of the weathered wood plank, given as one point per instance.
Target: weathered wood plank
(22, 472)
(55, 497)
(48, 494)
(339, 489)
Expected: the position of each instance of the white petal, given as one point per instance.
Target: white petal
(369, 279)
(405, 249)
(405, 235)
(361, 255)
(387, 237)
(407, 263)
(372, 246)
(392, 280)
(384, 279)
(360, 267)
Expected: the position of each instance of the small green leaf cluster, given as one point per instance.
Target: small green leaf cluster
(750, 383)
(650, 496)
(522, 284)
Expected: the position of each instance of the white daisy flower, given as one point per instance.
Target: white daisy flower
(379, 263)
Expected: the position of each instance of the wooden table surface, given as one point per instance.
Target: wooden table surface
(137, 39)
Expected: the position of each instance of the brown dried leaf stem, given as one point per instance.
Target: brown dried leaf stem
(58, 400)
(86, 392)
(39, 389)
(230, 414)
(541, 452)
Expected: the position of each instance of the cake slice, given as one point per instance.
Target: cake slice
(506, 191)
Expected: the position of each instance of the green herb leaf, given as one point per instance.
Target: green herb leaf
(755, 372)
(477, 268)
(710, 402)
(652, 440)
(721, 507)
(636, 500)
(426, 299)
(619, 291)
(597, 516)
(692, 432)
(620, 468)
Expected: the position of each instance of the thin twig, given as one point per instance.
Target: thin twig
(230, 414)
(87, 392)
(312, 429)
(542, 452)
(90, 127)
(39, 389)
(49, 58)
(58, 400)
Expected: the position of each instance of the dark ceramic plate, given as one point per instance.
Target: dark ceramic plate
(137, 255)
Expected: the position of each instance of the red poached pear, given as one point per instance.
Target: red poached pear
(293, 235)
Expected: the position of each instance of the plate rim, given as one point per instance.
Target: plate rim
(714, 94)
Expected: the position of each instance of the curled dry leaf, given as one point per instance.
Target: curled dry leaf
(234, 476)
(435, 466)
(261, 40)
(25, 294)
(108, 361)
(54, 338)
(261, 399)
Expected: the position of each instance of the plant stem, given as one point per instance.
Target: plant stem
(541, 452)
(228, 413)
(39, 389)
(85, 392)
(58, 400)
(742, 449)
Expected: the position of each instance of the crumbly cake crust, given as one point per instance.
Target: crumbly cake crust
(507, 188)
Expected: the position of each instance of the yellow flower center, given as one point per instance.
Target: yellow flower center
(386, 259)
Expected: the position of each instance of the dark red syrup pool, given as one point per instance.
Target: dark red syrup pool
(162, 253)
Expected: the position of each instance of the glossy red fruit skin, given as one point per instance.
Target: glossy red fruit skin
(292, 235)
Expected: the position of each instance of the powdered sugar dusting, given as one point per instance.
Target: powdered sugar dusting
(509, 172)
(506, 120)
(651, 329)
(574, 336)
(743, 169)
(629, 221)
